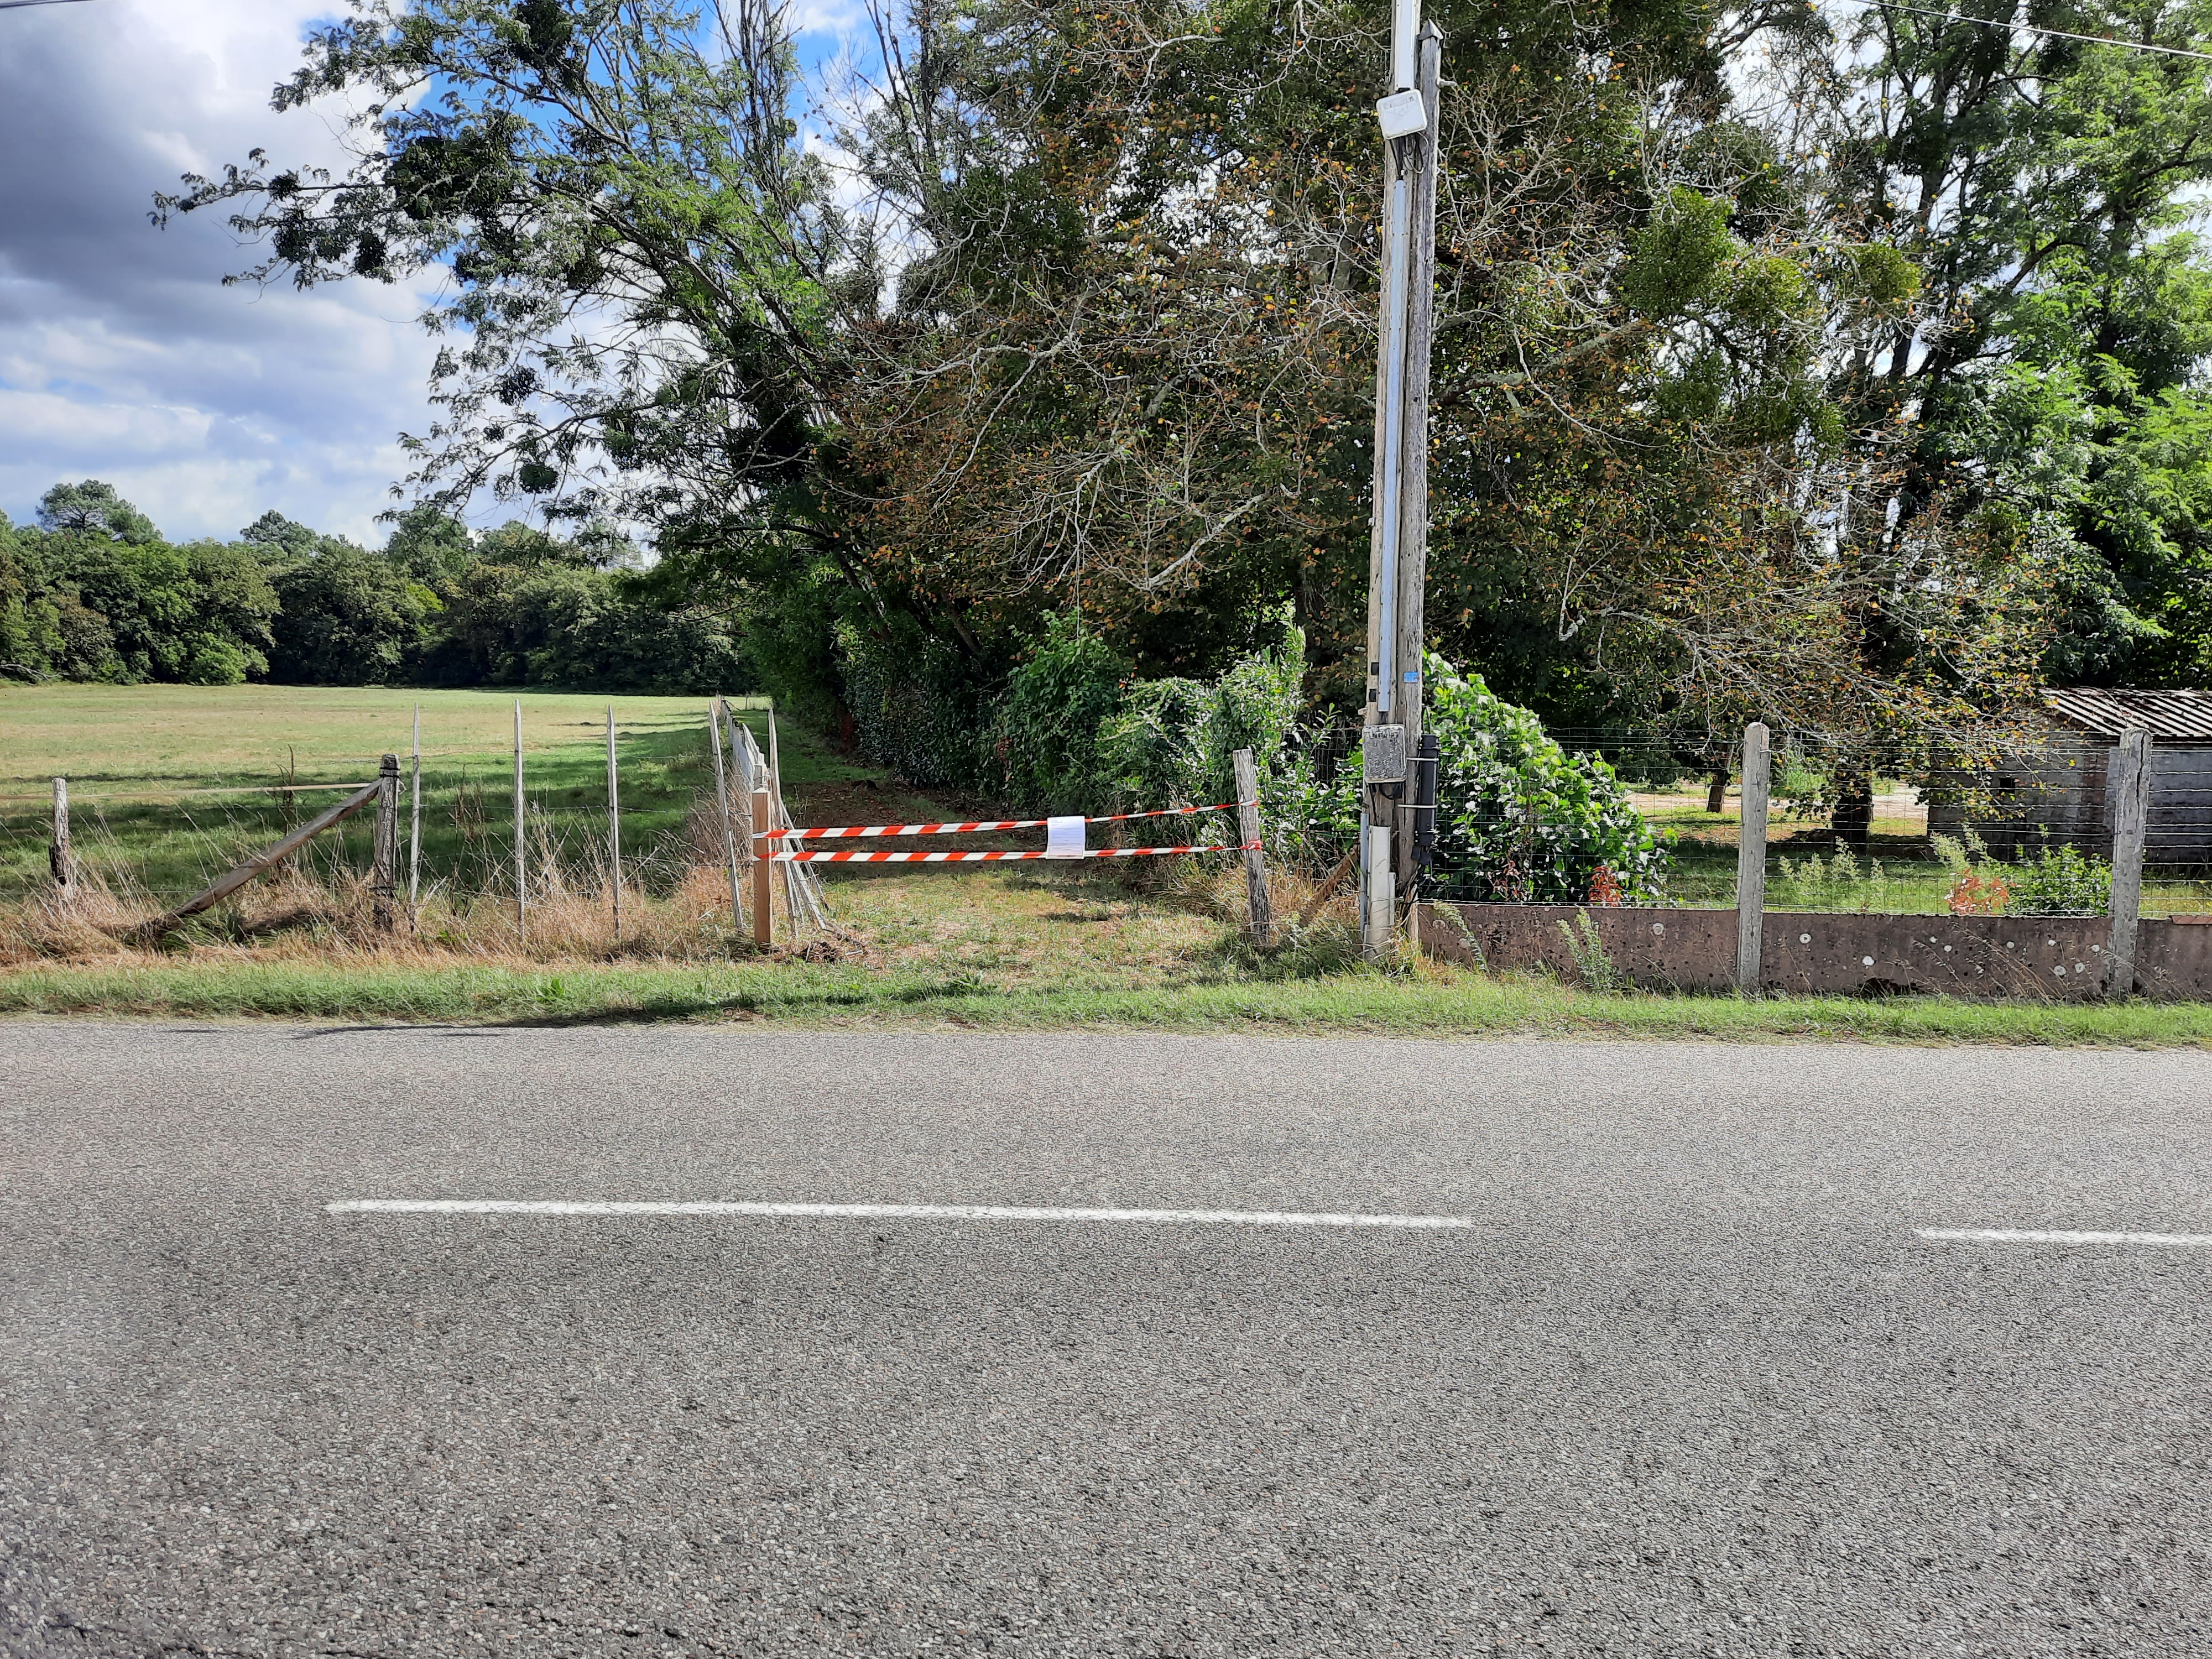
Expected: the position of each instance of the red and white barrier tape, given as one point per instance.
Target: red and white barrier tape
(982, 858)
(854, 830)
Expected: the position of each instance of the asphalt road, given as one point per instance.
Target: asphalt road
(1690, 1384)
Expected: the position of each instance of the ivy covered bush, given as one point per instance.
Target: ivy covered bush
(914, 708)
(1045, 745)
(1518, 818)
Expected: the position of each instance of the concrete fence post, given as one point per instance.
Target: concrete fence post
(2130, 794)
(1380, 914)
(1751, 858)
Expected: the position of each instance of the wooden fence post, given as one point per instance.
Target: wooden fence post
(716, 712)
(415, 823)
(1751, 858)
(260, 864)
(779, 820)
(614, 822)
(763, 872)
(383, 878)
(1260, 916)
(60, 858)
(521, 841)
(2129, 787)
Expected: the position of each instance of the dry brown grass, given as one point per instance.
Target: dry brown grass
(294, 915)
(1163, 922)
(305, 910)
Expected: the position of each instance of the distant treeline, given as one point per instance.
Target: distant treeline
(95, 591)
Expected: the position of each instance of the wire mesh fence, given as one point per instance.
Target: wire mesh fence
(2021, 829)
(167, 836)
(1634, 816)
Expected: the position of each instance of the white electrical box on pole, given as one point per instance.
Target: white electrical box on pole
(1398, 550)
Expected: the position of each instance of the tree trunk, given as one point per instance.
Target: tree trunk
(1854, 815)
(1716, 790)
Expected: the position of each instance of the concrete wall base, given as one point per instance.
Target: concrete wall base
(2051, 957)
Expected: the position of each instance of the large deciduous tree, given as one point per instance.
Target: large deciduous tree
(2043, 183)
(1081, 320)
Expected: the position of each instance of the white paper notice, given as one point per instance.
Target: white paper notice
(1063, 838)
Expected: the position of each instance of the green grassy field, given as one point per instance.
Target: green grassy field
(169, 784)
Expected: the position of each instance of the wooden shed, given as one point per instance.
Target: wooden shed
(2056, 789)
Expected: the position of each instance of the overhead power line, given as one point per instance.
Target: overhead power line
(2007, 25)
(13, 5)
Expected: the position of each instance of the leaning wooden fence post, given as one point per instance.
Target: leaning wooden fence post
(763, 872)
(614, 823)
(59, 857)
(259, 864)
(2130, 792)
(383, 878)
(715, 715)
(1751, 858)
(521, 841)
(1260, 916)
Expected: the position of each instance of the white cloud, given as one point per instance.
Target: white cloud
(121, 355)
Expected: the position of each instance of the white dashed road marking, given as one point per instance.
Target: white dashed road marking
(2044, 1235)
(875, 1211)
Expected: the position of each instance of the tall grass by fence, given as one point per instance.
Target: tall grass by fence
(134, 854)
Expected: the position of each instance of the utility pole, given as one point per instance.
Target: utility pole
(1397, 572)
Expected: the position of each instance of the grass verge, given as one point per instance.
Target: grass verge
(1419, 1002)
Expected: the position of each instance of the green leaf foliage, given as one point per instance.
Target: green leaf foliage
(1057, 700)
(97, 595)
(1172, 741)
(1518, 818)
(2058, 881)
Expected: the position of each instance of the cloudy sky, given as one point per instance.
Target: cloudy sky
(122, 356)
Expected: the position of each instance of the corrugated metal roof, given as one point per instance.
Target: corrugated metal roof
(2169, 716)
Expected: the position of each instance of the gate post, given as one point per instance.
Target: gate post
(384, 880)
(1260, 916)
